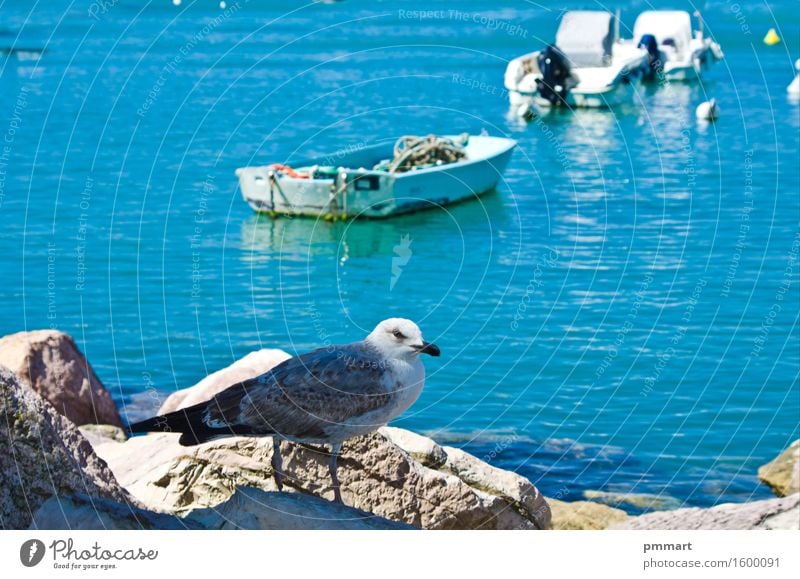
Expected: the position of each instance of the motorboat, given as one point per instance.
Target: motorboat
(586, 67)
(674, 51)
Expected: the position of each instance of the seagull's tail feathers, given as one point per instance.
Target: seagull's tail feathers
(189, 422)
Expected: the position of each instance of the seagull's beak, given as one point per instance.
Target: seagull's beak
(428, 348)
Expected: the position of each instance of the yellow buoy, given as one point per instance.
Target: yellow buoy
(772, 37)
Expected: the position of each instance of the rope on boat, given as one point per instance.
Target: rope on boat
(287, 170)
(412, 151)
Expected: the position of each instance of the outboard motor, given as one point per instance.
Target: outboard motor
(555, 69)
(650, 44)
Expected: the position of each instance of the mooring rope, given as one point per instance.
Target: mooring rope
(411, 151)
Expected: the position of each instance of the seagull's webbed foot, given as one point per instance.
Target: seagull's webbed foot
(277, 462)
(335, 449)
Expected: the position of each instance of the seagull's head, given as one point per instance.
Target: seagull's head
(400, 338)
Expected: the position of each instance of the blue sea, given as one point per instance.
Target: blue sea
(620, 315)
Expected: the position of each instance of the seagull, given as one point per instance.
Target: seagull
(323, 397)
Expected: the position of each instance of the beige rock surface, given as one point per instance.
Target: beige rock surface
(770, 514)
(251, 508)
(783, 473)
(49, 362)
(377, 476)
(584, 515)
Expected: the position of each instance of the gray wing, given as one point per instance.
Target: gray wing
(304, 395)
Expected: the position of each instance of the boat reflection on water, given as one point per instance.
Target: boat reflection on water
(322, 276)
(308, 239)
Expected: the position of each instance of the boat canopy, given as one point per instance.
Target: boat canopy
(586, 37)
(668, 26)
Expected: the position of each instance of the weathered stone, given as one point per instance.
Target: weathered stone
(49, 362)
(421, 448)
(783, 513)
(43, 454)
(584, 515)
(376, 475)
(102, 433)
(250, 366)
(783, 473)
(642, 501)
(514, 489)
(80, 512)
(251, 508)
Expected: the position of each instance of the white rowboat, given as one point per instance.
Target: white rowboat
(363, 185)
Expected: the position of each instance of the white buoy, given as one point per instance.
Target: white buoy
(223, 5)
(794, 87)
(176, 2)
(707, 111)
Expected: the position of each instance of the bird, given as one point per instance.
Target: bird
(325, 396)
(707, 111)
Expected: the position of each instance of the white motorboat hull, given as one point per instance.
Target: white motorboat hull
(584, 68)
(366, 193)
(618, 94)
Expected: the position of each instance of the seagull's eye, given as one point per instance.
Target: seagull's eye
(398, 334)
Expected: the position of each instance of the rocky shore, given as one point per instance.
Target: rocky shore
(65, 462)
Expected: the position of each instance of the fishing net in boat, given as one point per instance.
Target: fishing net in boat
(412, 152)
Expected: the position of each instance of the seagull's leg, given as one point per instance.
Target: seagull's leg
(277, 462)
(335, 449)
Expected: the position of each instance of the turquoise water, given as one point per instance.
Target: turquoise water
(620, 315)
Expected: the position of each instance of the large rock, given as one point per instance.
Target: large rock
(783, 473)
(248, 508)
(376, 474)
(252, 365)
(80, 512)
(783, 513)
(43, 454)
(50, 363)
(584, 515)
(251, 508)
